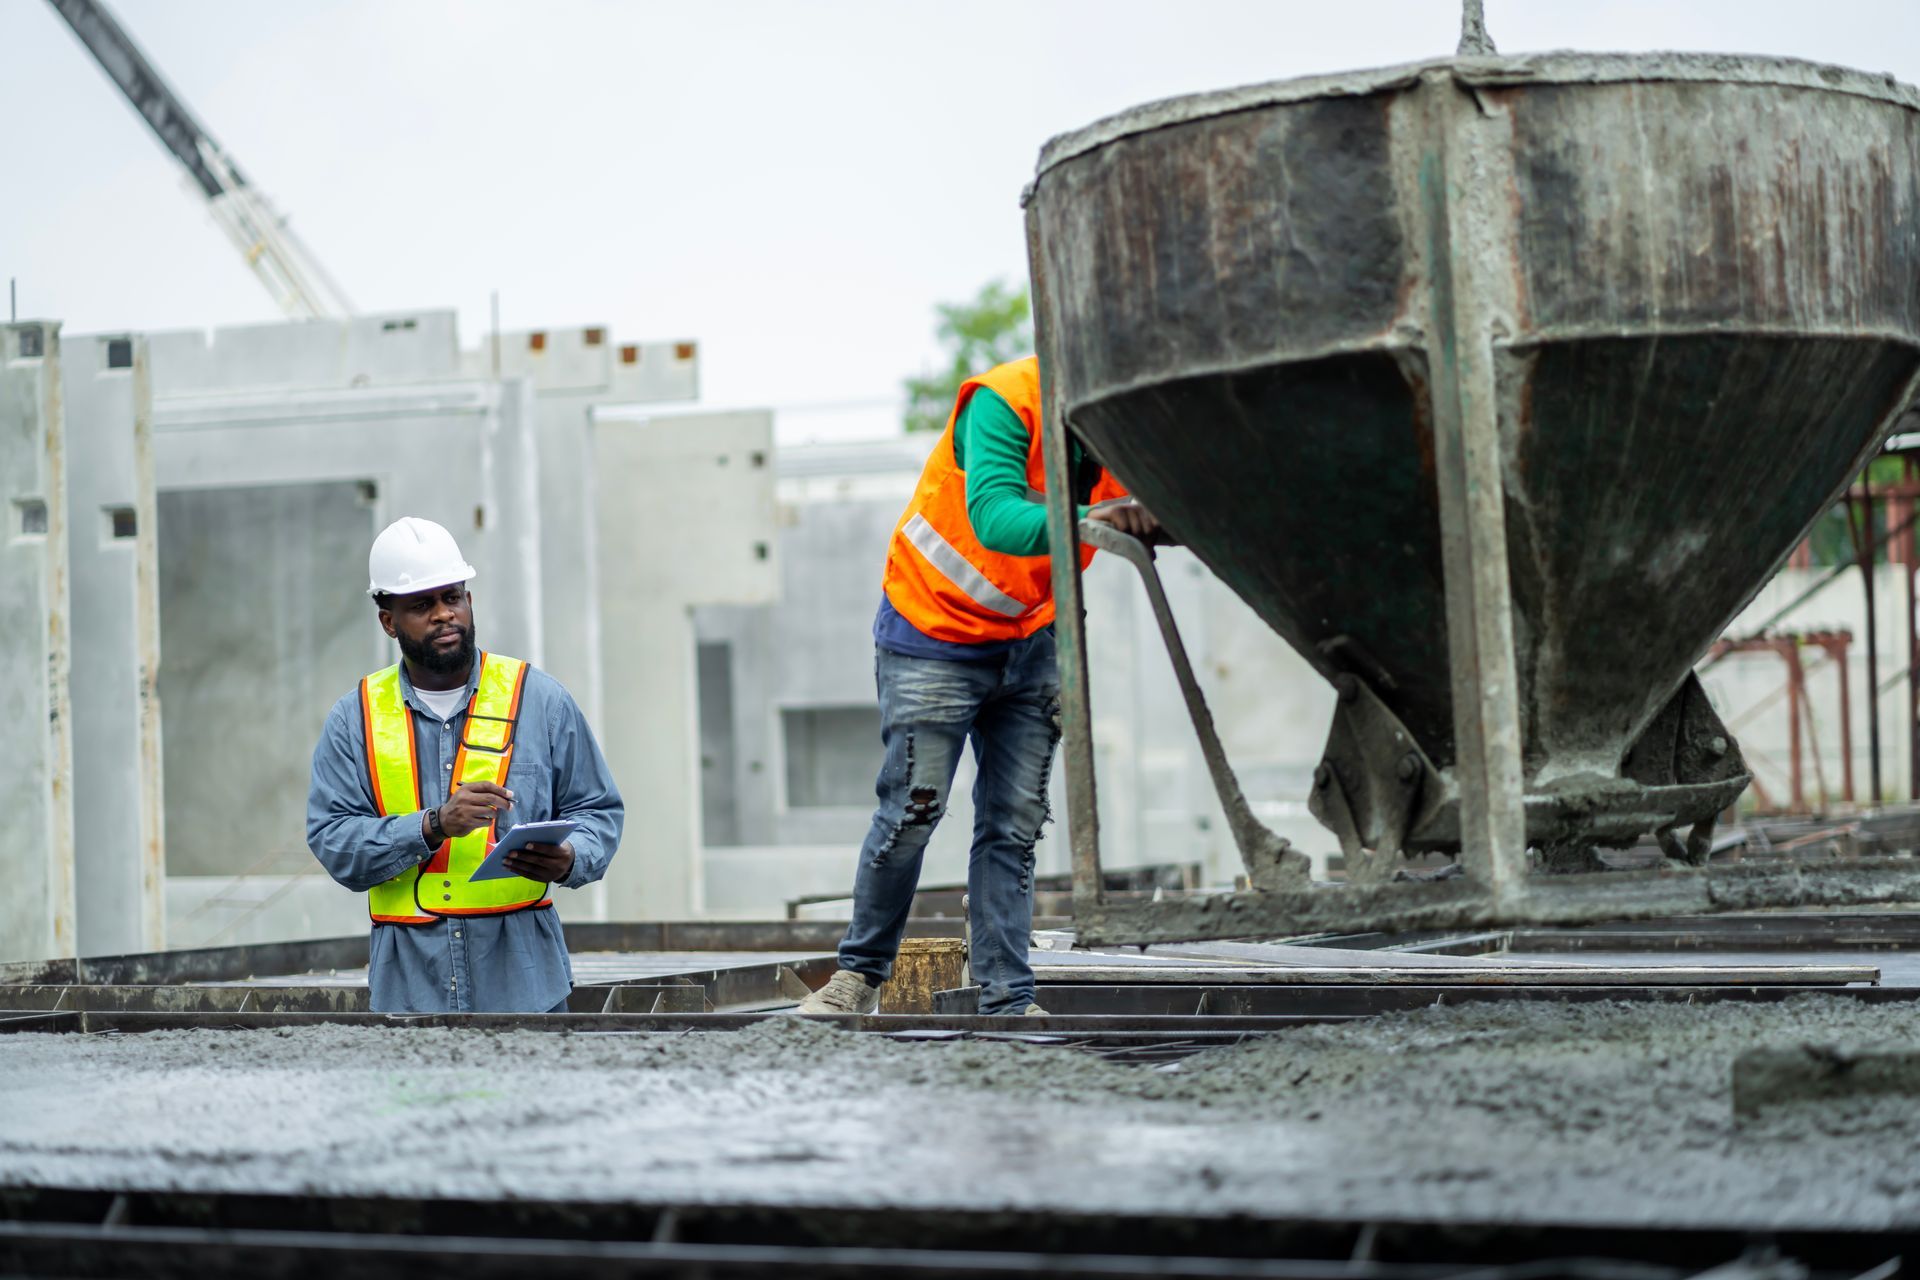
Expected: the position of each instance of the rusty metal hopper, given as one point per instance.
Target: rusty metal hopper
(1499, 380)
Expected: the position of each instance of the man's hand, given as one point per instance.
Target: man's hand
(1128, 516)
(544, 862)
(473, 806)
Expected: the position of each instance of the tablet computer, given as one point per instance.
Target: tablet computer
(519, 836)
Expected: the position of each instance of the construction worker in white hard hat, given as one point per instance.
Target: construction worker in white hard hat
(423, 767)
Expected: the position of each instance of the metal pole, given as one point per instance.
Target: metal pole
(1814, 752)
(13, 299)
(496, 333)
(1912, 563)
(1461, 184)
(1862, 531)
(1839, 652)
(1796, 690)
(1474, 40)
(1063, 538)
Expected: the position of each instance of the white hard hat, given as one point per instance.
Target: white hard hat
(412, 555)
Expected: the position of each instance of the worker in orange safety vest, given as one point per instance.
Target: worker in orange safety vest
(964, 648)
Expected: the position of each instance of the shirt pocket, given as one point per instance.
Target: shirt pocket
(530, 778)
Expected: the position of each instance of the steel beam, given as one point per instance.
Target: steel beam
(1467, 209)
(1860, 525)
(1069, 597)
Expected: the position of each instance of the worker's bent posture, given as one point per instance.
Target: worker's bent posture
(964, 647)
(422, 765)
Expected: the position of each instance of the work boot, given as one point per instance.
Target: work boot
(845, 992)
(1033, 1011)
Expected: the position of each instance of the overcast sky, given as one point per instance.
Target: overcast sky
(792, 184)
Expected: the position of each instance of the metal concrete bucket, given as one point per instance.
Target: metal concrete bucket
(1497, 386)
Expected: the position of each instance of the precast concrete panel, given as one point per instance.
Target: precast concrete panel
(654, 372)
(590, 360)
(810, 656)
(568, 376)
(744, 639)
(36, 787)
(513, 521)
(119, 825)
(719, 799)
(570, 552)
(267, 623)
(295, 484)
(404, 347)
(574, 371)
(686, 518)
(821, 656)
(567, 359)
(707, 483)
(454, 452)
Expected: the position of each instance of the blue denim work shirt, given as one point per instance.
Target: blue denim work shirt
(513, 963)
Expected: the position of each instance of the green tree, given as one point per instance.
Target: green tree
(997, 326)
(1832, 533)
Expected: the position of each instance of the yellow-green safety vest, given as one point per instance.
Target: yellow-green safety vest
(439, 886)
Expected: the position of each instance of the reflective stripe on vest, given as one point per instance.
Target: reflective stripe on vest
(440, 887)
(956, 570)
(939, 577)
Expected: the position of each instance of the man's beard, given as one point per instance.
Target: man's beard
(442, 662)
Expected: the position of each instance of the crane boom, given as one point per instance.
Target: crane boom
(299, 284)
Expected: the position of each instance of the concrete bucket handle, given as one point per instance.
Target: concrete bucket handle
(1271, 862)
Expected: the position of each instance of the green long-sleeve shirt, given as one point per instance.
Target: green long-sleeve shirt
(990, 444)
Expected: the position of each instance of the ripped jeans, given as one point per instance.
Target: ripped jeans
(1010, 707)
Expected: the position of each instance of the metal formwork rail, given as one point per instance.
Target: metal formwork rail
(83, 1232)
(1253, 1003)
(243, 963)
(1145, 1009)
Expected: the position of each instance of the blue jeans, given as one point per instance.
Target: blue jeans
(1010, 707)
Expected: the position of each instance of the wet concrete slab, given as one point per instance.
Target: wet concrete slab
(1596, 1113)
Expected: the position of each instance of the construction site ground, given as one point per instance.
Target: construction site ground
(1601, 1112)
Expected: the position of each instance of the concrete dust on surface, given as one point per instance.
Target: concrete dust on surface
(1606, 1112)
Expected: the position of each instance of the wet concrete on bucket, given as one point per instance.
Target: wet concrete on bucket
(1611, 1113)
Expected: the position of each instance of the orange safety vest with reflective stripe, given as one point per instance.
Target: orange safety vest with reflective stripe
(439, 886)
(938, 575)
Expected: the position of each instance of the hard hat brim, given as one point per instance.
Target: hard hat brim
(432, 583)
